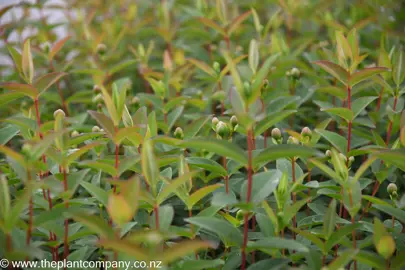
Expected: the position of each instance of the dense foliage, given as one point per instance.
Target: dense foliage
(205, 134)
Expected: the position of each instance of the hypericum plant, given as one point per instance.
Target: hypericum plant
(202, 135)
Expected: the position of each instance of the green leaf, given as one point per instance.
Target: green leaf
(202, 264)
(207, 164)
(98, 193)
(124, 246)
(149, 165)
(338, 92)
(331, 173)
(343, 259)
(98, 165)
(201, 193)
(395, 212)
(17, 58)
(95, 224)
(104, 122)
(234, 24)
(57, 47)
(121, 66)
(7, 132)
(27, 63)
(5, 201)
(364, 74)
(370, 259)
(212, 24)
(174, 116)
(283, 151)
(46, 81)
(220, 147)
(341, 112)
(398, 262)
(228, 233)
(360, 104)
(329, 220)
(277, 243)
(25, 89)
(172, 187)
(394, 157)
(184, 248)
(203, 66)
(253, 57)
(337, 236)
(271, 120)
(15, 211)
(335, 70)
(311, 237)
(335, 139)
(398, 72)
(263, 184)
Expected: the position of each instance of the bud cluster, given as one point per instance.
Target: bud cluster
(224, 130)
(294, 73)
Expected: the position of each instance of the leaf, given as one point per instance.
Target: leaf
(104, 122)
(228, 233)
(184, 248)
(283, 151)
(343, 259)
(12, 154)
(57, 47)
(174, 116)
(311, 237)
(98, 193)
(25, 89)
(329, 220)
(395, 212)
(5, 201)
(237, 81)
(207, 164)
(120, 66)
(263, 184)
(130, 133)
(335, 139)
(253, 57)
(46, 81)
(149, 165)
(124, 246)
(371, 259)
(344, 50)
(202, 264)
(331, 173)
(277, 243)
(260, 76)
(341, 112)
(201, 193)
(398, 262)
(15, 211)
(271, 120)
(172, 187)
(203, 66)
(27, 63)
(334, 91)
(7, 133)
(335, 70)
(395, 157)
(17, 58)
(119, 209)
(360, 104)
(95, 224)
(364, 74)
(237, 21)
(220, 147)
(210, 23)
(398, 72)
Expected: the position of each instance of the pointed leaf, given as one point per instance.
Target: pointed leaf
(184, 248)
(46, 81)
(25, 89)
(27, 63)
(57, 47)
(335, 70)
(365, 74)
(201, 193)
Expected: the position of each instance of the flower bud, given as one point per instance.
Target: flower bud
(247, 89)
(351, 160)
(295, 73)
(99, 107)
(306, 132)
(292, 140)
(328, 153)
(135, 101)
(392, 190)
(59, 112)
(178, 133)
(101, 49)
(217, 67)
(96, 89)
(46, 47)
(99, 98)
(234, 121)
(223, 130)
(214, 123)
(200, 94)
(26, 148)
(95, 129)
(276, 136)
(75, 133)
(288, 73)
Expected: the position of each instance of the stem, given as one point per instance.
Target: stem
(248, 196)
(30, 212)
(190, 214)
(226, 178)
(66, 235)
(387, 140)
(354, 231)
(379, 99)
(294, 195)
(349, 106)
(228, 43)
(156, 210)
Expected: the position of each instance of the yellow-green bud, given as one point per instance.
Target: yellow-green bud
(95, 129)
(98, 98)
(292, 140)
(96, 89)
(288, 73)
(217, 67)
(234, 121)
(46, 47)
(59, 112)
(392, 190)
(26, 148)
(135, 101)
(276, 136)
(351, 160)
(295, 73)
(306, 132)
(101, 49)
(178, 133)
(223, 130)
(247, 89)
(214, 123)
(75, 133)
(328, 153)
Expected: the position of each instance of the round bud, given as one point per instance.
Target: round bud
(351, 160)
(234, 121)
(214, 122)
(101, 49)
(75, 133)
(96, 89)
(26, 148)
(288, 73)
(178, 133)
(97, 99)
(46, 47)
(328, 153)
(392, 188)
(276, 133)
(292, 140)
(135, 101)
(223, 130)
(266, 83)
(99, 107)
(102, 130)
(246, 88)
(95, 129)
(217, 67)
(59, 112)
(295, 73)
(199, 93)
(306, 132)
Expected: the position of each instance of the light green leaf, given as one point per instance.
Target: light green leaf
(335, 70)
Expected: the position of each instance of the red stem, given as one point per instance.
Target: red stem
(349, 106)
(379, 99)
(226, 178)
(66, 234)
(248, 195)
(156, 210)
